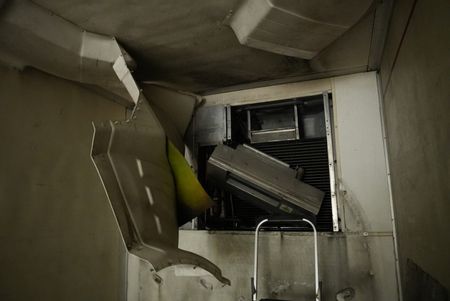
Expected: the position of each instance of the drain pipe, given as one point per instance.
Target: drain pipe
(391, 197)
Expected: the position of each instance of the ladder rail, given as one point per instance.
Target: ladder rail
(316, 256)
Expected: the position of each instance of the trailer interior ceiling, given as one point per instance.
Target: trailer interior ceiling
(194, 47)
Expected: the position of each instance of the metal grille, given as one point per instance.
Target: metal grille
(312, 156)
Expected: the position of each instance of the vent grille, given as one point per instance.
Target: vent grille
(312, 156)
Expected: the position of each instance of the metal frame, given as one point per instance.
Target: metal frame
(331, 162)
(295, 129)
(391, 195)
(316, 257)
(265, 155)
(228, 122)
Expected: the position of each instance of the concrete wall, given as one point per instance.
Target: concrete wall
(58, 236)
(415, 77)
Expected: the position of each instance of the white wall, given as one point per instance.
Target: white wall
(361, 164)
(58, 236)
(415, 77)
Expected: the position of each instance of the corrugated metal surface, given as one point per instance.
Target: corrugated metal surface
(312, 156)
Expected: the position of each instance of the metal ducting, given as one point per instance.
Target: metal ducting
(54, 45)
(312, 156)
(130, 157)
(264, 180)
(298, 28)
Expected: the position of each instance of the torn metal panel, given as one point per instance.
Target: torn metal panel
(76, 54)
(173, 107)
(131, 160)
(268, 182)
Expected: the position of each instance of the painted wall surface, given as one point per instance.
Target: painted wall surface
(364, 263)
(361, 164)
(415, 75)
(362, 257)
(58, 236)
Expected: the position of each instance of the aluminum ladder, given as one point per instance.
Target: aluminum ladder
(254, 279)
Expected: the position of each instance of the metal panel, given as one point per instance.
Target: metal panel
(76, 54)
(273, 125)
(331, 164)
(210, 127)
(362, 172)
(269, 92)
(363, 263)
(273, 135)
(131, 160)
(228, 121)
(295, 28)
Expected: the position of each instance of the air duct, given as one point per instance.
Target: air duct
(263, 180)
(56, 46)
(298, 28)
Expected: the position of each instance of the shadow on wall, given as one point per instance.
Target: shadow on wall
(420, 286)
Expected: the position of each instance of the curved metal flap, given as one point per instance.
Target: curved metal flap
(131, 159)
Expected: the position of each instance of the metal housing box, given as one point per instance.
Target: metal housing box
(298, 28)
(269, 183)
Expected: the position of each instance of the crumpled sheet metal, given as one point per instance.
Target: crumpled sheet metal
(131, 159)
(76, 54)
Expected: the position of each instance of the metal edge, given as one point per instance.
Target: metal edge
(391, 195)
(331, 164)
(266, 156)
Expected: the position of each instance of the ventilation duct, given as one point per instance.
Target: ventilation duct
(298, 28)
(264, 180)
(51, 44)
